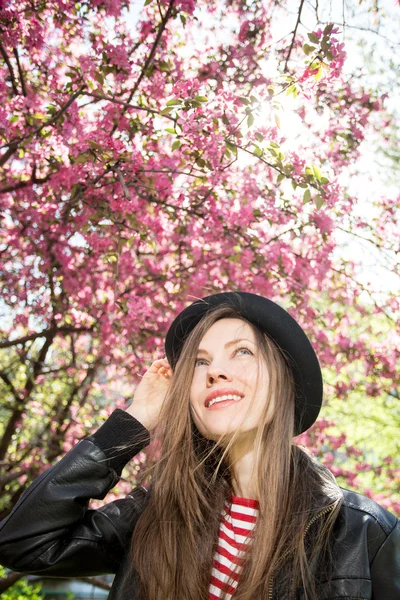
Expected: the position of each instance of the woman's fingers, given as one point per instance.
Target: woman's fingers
(162, 367)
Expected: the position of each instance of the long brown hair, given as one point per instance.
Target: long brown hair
(176, 536)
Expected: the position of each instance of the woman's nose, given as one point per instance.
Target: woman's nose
(214, 373)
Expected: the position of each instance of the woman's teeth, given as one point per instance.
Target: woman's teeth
(222, 398)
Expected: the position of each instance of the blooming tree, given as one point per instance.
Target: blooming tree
(147, 161)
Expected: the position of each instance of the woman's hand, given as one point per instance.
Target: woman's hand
(150, 393)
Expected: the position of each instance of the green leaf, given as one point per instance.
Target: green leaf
(281, 177)
(148, 2)
(244, 100)
(328, 29)
(307, 49)
(52, 109)
(174, 102)
(253, 99)
(274, 145)
(259, 137)
(325, 46)
(313, 38)
(317, 173)
(257, 150)
(75, 189)
(318, 74)
(201, 98)
(14, 119)
(201, 162)
(81, 158)
(232, 148)
(170, 130)
(319, 201)
(177, 144)
(166, 111)
(99, 77)
(250, 120)
(225, 119)
(164, 66)
(324, 180)
(306, 196)
(183, 19)
(95, 145)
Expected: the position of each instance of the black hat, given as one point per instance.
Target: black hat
(280, 326)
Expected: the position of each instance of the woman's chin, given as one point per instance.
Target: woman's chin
(215, 431)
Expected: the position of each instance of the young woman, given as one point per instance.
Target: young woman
(234, 509)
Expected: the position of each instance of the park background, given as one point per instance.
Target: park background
(156, 152)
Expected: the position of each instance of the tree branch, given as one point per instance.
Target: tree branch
(11, 149)
(21, 75)
(272, 165)
(98, 96)
(22, 184)
(30, 382)
(294, 37)
(149, 59)
(13, 144)
(96, 581)
(10, 68)
(364, 289)
(46, 333)
(9, 580)
(11, 476)
(9, 384)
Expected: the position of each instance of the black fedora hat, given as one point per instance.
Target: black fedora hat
(280, 326)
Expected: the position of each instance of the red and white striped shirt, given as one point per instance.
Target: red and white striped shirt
(237, 521)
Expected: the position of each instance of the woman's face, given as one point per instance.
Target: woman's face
(227, 364)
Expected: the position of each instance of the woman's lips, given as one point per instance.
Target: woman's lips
(222, 392)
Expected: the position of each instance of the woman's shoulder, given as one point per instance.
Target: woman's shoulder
(358, 507)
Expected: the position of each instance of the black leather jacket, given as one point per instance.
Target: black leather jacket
(52, 532)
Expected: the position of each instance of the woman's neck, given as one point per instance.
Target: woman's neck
(242, 460)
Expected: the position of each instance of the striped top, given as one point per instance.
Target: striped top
(237, 521)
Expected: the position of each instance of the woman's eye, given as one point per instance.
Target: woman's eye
(198, 360)
(247, 350)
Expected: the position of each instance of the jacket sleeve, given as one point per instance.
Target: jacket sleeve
(385, 568)
(51, 530)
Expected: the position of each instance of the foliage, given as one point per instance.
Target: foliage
(148, 162)
(22, 590)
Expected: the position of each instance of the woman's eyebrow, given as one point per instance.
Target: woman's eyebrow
(201, 350)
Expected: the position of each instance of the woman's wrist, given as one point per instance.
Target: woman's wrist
(139, 414)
